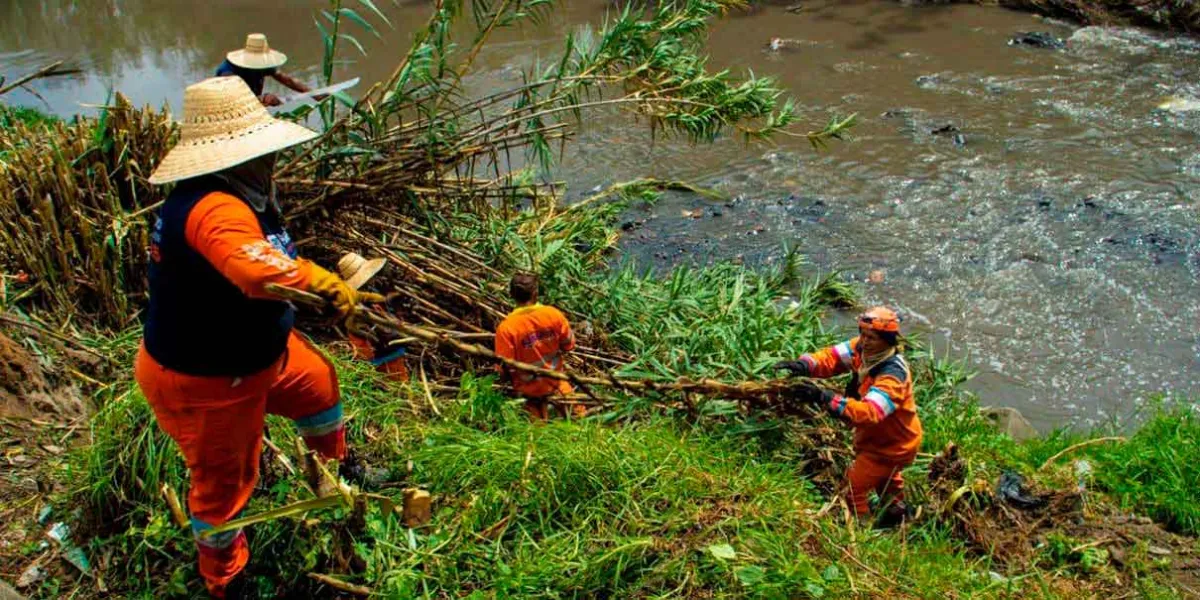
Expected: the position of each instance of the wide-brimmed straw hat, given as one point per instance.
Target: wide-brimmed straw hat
(224, 125)
(356, 271)
(257, 54)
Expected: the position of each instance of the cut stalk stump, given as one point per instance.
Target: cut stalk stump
(417, 509)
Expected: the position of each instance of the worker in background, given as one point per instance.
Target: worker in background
(383, 352)
(218, 352)
(539, 335)
(878, 403)
(255, 63)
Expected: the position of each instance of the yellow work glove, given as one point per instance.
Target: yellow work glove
(341, 297)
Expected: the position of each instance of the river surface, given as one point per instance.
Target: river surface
(1047, 234)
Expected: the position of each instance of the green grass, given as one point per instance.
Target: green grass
(1157, 470)
(19, 114)
(661, 507)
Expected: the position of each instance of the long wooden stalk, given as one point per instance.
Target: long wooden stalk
(50, 70)
(382, 321)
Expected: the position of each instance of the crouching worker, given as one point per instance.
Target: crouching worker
(878, 403)
(218, 352)
(539, 335)
(383, 352)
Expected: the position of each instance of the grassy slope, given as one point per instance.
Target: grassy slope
(566, 510)
(659, 507)
(639, 503)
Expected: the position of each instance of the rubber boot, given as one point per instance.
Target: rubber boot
(895, 514)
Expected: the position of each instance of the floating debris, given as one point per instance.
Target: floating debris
(1177, 104)
(784, 45)
(1038, 39)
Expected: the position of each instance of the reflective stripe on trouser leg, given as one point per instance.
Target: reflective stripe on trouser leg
(324, 432)
(222, 555)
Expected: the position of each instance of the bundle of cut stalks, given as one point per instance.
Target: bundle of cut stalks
(75, 209)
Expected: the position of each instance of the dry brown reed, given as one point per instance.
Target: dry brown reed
(76, 210)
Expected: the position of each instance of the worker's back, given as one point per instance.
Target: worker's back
(538, 335)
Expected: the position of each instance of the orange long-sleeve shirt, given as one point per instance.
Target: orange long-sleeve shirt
(211, 257)
(538, 335)
(883, 410)
(224, 230)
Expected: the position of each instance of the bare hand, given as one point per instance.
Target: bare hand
(271, 100)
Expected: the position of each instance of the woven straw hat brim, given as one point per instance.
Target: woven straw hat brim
(365, 273)
(271, 59)
(202, 157)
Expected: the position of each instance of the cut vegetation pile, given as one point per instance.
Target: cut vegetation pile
(660, 494)
(74, 218)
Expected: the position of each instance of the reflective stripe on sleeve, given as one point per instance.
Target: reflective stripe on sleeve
(881, 401)
(844, 353)
(838, 404)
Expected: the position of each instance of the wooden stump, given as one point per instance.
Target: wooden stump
(417, 509)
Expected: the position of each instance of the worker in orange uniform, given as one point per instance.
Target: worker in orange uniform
(539, 335)
(218, 352)
(387, 356)
(878, 403)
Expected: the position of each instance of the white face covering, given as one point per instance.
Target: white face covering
(253, 181)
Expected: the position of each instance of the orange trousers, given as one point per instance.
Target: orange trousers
(394, 366)
(868, 474)
(217, 422)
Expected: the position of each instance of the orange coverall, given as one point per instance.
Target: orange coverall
(218, 421)
(392, 364)
(883, 412)
(538, 335)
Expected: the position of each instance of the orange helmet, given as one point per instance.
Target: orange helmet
(880, 318)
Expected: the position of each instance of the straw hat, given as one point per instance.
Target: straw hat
(257, 54)
(356, 270)
(224, 125)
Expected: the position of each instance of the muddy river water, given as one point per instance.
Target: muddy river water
(1031, 209)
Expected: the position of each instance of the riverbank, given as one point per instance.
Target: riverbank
(649, 496)
(1173, 15)
(1180, 16)
(640, 499)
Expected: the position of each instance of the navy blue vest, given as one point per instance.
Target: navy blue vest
(255, 78)
(199, 323)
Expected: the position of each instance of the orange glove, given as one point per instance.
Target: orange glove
(341, 297)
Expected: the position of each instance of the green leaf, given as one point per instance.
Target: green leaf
(374, 9)
(751, 575)
(814, 590)
(350, 13)
(352, 40)
(722, 551)
(831, 573)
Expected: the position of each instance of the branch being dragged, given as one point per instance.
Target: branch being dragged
(775, 392)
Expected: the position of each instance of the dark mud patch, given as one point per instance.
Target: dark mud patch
(1054, 528)
(31, 389)
(42, 413)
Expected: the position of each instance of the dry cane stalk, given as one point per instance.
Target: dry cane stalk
(172, 498)
(338, 584)
(742, 390)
